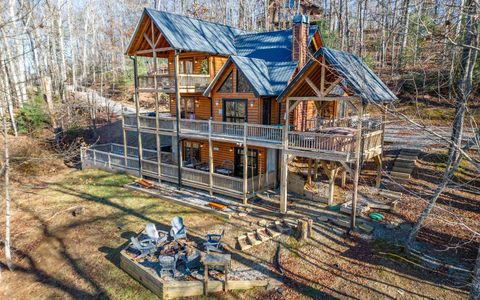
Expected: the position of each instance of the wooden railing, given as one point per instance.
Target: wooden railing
(166, 83)
(372, 140)
(368, 123)
(228, 183)
(321, 141)
(297, 140)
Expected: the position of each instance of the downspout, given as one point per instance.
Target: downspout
(137, 109)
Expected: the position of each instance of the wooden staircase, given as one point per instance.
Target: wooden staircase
(404, 164)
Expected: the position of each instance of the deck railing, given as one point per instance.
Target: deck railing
(111, 157)
(321, 142)
(368, 123)
(297, 140)
(166, 82)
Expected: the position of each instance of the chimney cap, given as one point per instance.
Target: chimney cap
(300, 19)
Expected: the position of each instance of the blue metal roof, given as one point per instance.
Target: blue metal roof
(267, 78)
(189, 34)
(357, 76)
(270, 46)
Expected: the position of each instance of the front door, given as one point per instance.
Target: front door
(252, 162)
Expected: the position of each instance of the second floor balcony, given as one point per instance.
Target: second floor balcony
(187, 83)
(338, 141)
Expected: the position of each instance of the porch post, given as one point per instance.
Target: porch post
(210, 157)
(245, 163)
(177, 99)
(358, 144)
(284, 163)
(125, 147)
(137, 113)
(380, 158)
(157, 121)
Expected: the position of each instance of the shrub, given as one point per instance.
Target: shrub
(31, 118)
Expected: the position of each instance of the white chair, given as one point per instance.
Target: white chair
(157, 236)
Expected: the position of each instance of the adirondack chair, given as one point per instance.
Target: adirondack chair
(178, 230)
(157, 236)
(213, 242)
(145, 247)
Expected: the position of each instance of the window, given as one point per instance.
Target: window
(227, 86)
(243, 86)
(191, 152)
(187, 108)
(235, 110)
(186, 66)
(252, 162)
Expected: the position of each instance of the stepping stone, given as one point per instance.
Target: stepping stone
(399, 175)
(243, 242)
(402, 170)
(252, 238)
(262, 234)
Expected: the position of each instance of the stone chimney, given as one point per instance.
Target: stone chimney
(300, 39)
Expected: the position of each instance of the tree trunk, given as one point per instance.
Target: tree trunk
(8, 253)
(47, 90)
(464, 89)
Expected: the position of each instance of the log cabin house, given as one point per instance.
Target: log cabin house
(243, 105)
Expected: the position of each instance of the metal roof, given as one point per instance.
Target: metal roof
(357, 76)
(270, 46)
(267, 78)
(190, 34)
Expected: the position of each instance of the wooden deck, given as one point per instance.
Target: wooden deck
(111, 157)
(188, 83)
(305, 144)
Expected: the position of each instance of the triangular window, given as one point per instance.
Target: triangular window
(243, 86)
(227, 86)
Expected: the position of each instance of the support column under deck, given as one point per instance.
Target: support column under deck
(178, 114)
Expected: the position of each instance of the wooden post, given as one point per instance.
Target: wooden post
(302, 229)
(378, 162)
(284, 164)
(315, 170)
(137, 114)
(245, 163)
(178, 110)
(358, 144)
(125, 146)
(309, 176)
(157, 121)
(344, 178)
(210, 157)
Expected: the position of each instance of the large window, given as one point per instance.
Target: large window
(252, 162)
(235, 110)
(187, 108)
(186, 66)
(227, 86)
(243, 86)
(191, 152)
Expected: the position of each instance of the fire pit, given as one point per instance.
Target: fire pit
(172, 270)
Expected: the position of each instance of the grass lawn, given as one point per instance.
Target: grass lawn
(58, 255)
